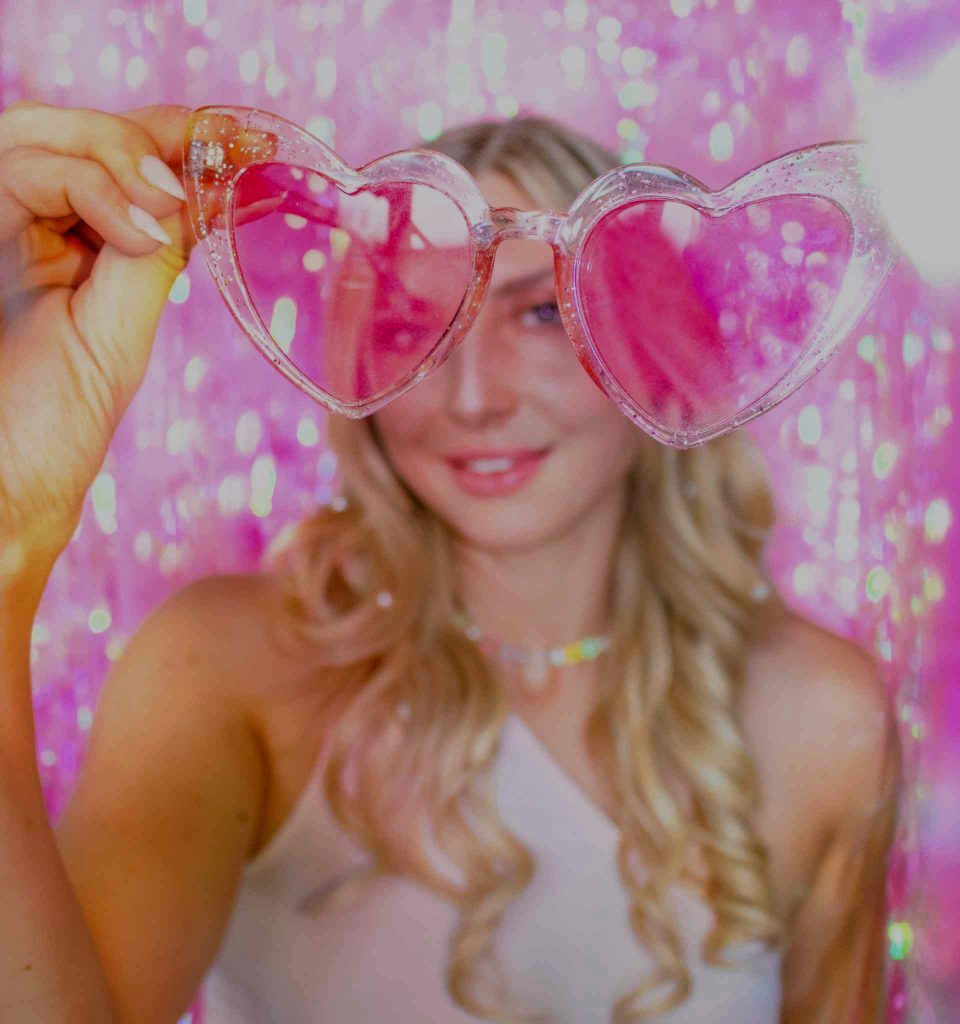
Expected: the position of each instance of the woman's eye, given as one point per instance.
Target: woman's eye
(544, 314)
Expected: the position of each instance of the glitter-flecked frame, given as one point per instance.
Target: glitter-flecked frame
(220, 141)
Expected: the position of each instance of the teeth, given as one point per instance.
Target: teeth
(490, 465)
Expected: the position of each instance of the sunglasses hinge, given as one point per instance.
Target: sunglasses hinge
(205, 156)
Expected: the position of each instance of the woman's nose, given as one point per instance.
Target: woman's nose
(481, 373)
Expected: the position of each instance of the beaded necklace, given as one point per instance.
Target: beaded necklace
(535, 662)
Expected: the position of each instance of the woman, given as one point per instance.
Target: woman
(327, 786)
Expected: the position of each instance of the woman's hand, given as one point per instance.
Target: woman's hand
(82, 287)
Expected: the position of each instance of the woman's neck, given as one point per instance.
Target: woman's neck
(554, 593)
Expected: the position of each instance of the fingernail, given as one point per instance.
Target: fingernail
(148, 223)
(159, 174)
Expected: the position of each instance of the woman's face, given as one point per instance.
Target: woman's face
(512, 390)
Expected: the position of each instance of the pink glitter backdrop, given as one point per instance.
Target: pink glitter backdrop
(217, 453)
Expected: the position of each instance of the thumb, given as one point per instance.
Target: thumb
(118, 308)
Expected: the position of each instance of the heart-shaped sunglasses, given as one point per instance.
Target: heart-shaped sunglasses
(694, 310)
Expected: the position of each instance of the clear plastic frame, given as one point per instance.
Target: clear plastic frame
(242, 163)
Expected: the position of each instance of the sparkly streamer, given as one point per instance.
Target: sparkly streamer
(216, 453)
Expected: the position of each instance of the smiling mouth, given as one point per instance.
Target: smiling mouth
(489, 462)
(490, 475)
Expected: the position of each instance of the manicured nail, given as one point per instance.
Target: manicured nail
(148, 223)
(159, 174)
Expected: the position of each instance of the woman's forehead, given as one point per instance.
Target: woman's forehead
(521, 264)
(516, 258)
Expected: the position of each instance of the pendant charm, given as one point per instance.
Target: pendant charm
(544, 690)
(537, 668)
(535, 671)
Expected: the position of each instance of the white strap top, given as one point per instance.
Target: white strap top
(566, 943)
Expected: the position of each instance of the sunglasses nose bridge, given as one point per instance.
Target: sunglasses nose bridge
(540, 225)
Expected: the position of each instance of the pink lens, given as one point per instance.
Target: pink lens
(356, 288)
(697, 316)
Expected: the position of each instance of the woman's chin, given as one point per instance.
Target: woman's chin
(507, 535)
(504, 525)
(501, 515)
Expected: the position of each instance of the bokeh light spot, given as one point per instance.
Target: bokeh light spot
(900, 935)
(283, 322)
(884, 459)
(877, 584)
(721, 141)
(937, 520)
(809, 425)
(307, 433)
(99, 620)
(180, 289)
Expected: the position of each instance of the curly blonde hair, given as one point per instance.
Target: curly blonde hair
(686, 610)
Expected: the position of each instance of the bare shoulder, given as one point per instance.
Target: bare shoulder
(806, 662)
(233, 622)
(821, 717)
(805, 667)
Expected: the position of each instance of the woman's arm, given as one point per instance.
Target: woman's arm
(116, 912)
(49, 969)
(834, 965)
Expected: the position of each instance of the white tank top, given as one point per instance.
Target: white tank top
(565, 944)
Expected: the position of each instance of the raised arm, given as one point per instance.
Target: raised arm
(49, 968)
(118, 911)
(114, 915)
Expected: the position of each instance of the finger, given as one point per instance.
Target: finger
(92, 239)
(59, 224)
(64, 269)
(36, 244)
(165, 125)
(48, 259)
(118, 142)
(118, 307)
(37, 183)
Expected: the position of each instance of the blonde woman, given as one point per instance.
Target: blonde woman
(352, 787)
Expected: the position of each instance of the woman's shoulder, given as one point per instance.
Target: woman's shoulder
(239, 618)
(819, 716)
(801, 663)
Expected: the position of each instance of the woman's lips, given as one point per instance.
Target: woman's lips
(523, 466)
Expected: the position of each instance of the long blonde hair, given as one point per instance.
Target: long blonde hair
(685, 611)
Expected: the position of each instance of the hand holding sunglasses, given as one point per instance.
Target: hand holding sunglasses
(694, 310)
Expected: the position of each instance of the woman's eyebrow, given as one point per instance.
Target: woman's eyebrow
(525, 281)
